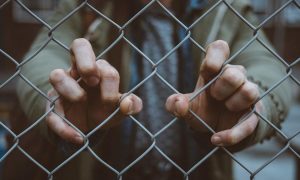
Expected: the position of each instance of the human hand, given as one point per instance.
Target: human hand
(91, 100)
(223, 104)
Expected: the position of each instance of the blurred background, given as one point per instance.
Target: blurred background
(18, 29)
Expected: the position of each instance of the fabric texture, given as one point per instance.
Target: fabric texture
(157, 30)
(255, 58)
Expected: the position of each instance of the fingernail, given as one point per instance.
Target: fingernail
(79, 139)
(130, 111)
(216, 140)
(177, 108)
(93, 81)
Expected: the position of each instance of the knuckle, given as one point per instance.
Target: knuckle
(241, 68)
(214, 91)
(56, 75)
(87, 68)
(110, 100)
(211, 66)
(216, 96)
(111, 74)
(232, 76)
(250, 92)
(231, 106)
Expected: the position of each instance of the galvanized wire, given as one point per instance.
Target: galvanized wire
(153, 146)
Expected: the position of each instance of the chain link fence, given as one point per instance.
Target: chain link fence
(153, 136)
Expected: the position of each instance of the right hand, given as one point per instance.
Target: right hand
(90, 101)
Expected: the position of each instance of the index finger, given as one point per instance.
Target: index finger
(84, 61)
(216, 54)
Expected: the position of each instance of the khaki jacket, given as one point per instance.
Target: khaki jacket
(221, 23)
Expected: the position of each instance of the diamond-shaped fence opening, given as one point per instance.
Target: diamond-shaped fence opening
(266, 161)
(283, 158)
(291, 129)
(6, 148)
(126, 156)
(276, 12)
(295, 148)
(7, 75)
(159, 144)
(266, 156)
(24, 12)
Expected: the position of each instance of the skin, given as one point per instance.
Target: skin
(91, 100)
(88, 102)
(223, 104)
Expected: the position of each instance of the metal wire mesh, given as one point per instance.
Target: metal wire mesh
(188, 37)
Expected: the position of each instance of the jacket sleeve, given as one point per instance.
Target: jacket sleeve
(264, 69)
(52, 56)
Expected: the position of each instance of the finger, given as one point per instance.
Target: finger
(178, 104)
(72, 71)
(236, 134)
(245, 96)
(64, 131)
(66, 86)
(230, 80)
(131, 104)
(59, 127)
(216, 54)
(109, 83)
(84, 61)
(51, 94)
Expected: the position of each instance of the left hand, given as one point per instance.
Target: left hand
(223, 104)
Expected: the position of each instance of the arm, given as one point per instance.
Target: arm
(265, 70)
(52, 56)
(85, 103)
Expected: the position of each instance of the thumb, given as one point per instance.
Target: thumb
(178, 104)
